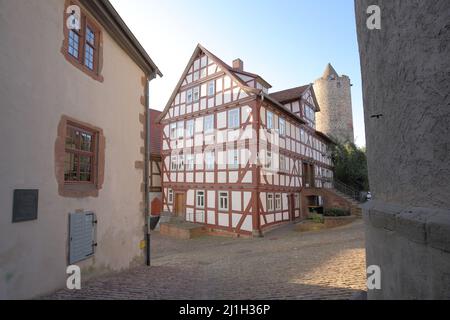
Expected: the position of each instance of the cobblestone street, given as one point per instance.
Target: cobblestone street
(285, 264)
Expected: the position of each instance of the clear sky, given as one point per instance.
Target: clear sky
(287, 42)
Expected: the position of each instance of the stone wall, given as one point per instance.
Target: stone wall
(330, 199)
(405, 73)
(412, 248)
(335, 118)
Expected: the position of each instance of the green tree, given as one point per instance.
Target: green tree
(350, 164)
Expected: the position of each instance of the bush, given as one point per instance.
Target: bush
(336, 212)
(350, 166)
(317, 218)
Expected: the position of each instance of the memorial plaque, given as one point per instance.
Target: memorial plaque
(25, 205)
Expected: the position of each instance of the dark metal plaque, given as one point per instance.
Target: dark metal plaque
(25, 205)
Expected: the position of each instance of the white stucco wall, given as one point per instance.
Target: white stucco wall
(37, 87)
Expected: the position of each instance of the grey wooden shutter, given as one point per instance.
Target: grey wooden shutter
(81, 236)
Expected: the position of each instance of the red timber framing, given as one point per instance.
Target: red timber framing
(221, 174)
(155, 173)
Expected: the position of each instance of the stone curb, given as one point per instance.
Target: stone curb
(427, 226)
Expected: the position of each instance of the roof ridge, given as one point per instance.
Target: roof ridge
(293, 88)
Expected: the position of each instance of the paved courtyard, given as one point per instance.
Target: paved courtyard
(285, 264)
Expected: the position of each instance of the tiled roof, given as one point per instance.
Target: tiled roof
(155, 133)
(329, 72)
(252, 75)
(289, 94)
(235, 71)
(324, 136)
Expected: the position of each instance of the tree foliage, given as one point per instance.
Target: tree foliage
(350, 164)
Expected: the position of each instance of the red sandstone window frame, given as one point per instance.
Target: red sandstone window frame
(79, 189)
(80, 62)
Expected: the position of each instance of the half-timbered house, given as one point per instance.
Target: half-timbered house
(155, 172)
(235, 158)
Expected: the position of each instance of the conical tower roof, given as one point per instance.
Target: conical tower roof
(329, 71)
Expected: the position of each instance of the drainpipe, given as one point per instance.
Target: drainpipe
(146, 172)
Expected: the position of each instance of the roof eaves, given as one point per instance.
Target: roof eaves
(323, 135)
(110, 19)
(281, 107)
(178, 86)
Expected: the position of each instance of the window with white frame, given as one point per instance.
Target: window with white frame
(189, 162)
(189, 96)
(180, 162)
(208, 124)
(223, 201)
(282, 126)
(174, 163)
(278, 201)
(283, 163)
(173, 131)
(309, 113)
(196, 94)
(180, 129)
(170, 196)
(203, 73)
(234, 120)
(268, 159)
(233, 159)
(269, 120)
(269, 202)
(209, 160)
(190, 128)
(200, 199)
(297, 201)
(211, 88)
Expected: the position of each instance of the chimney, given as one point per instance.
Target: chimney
(238, 64)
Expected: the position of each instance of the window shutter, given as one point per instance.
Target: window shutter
(81, 236)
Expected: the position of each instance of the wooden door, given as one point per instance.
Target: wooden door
(312, 179)
(156, 207)
(180, 205)
(305, 175)
(291, 205)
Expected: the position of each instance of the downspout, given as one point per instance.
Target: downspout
(146, 171)
(259, 232)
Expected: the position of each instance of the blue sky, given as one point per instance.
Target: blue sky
(287, 42)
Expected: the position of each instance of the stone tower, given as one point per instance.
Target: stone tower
(333, 94)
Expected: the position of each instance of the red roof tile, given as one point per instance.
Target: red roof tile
(289, 94)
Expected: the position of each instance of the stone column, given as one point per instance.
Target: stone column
(406, 84)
